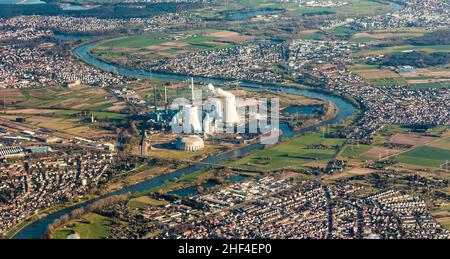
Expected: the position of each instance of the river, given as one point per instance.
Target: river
(37, 229)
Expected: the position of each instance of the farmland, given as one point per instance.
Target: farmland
(77, 98)
(355, 6)
(159, 45)
(296, 153)
(65, 110)
(405, 146)
(425, 156)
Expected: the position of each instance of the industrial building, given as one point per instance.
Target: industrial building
(190, 143)
(6, 152)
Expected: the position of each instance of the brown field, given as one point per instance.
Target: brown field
(229, 36)
(10, 93)
(350, 173)
(31, 111)
(216, 43)
(38, 120)
(175, 44)
(425, 81)
(410, 139)
(426, 72)
(386, 34)
(156, 47)
(117, 107)
(166, 54)
(377, 73)
(444, 143)
(125, 49)
(316, 164)
(378, 152)
(223, 34)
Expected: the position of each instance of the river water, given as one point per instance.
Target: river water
(37, 229)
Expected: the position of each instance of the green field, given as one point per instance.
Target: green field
(83, 98)
(431, 85)
(402, 48)
(425, 156)
(381, 82)
(143, 201)
(356, 151)
(159, 45)
(90, 226)
(294, 154)
(354, 7)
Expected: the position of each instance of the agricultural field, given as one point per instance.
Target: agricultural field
(407, 147)
(442, 215)
(377, 36)
(244, 7)
(425, 156)
(76, 98)
(437, 77)
(142, 201)
(159, 45)
(381, 77)
(375, 51)
(60, 109)
(355, 152)
(296, 153)
(90, 226)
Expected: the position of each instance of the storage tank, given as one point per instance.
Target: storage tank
(190, 143)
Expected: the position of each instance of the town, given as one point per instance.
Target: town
(145, 119)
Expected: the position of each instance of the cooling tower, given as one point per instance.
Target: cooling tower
(191, 120)
(218, 109)
(207, 125)
(231, 116)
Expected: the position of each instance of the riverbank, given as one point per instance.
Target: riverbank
(37, 229)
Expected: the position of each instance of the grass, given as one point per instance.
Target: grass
(431, 85)
(151, 46)
(90, 226)
(294, 153)
(438, 130)
(398, 49)
(442, 215)
(380, 82)
(134, 41)
(141, 202)
(356, 7)
(87, 98)
(425, 156)
(355, 152)
(444, 144)
(182, 182)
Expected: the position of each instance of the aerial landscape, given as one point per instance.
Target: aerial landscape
(229, 120)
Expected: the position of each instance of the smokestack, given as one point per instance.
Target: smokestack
(154, 98)
(165, 98)
(192, 89)
(165, 94)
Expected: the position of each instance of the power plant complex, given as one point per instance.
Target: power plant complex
(220, 111)
(210, 113)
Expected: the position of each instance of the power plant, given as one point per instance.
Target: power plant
(230, 114)
(221, 112)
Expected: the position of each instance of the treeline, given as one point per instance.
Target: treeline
(441, 37)
(79, 213)
(416, 59)
(104, 11)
